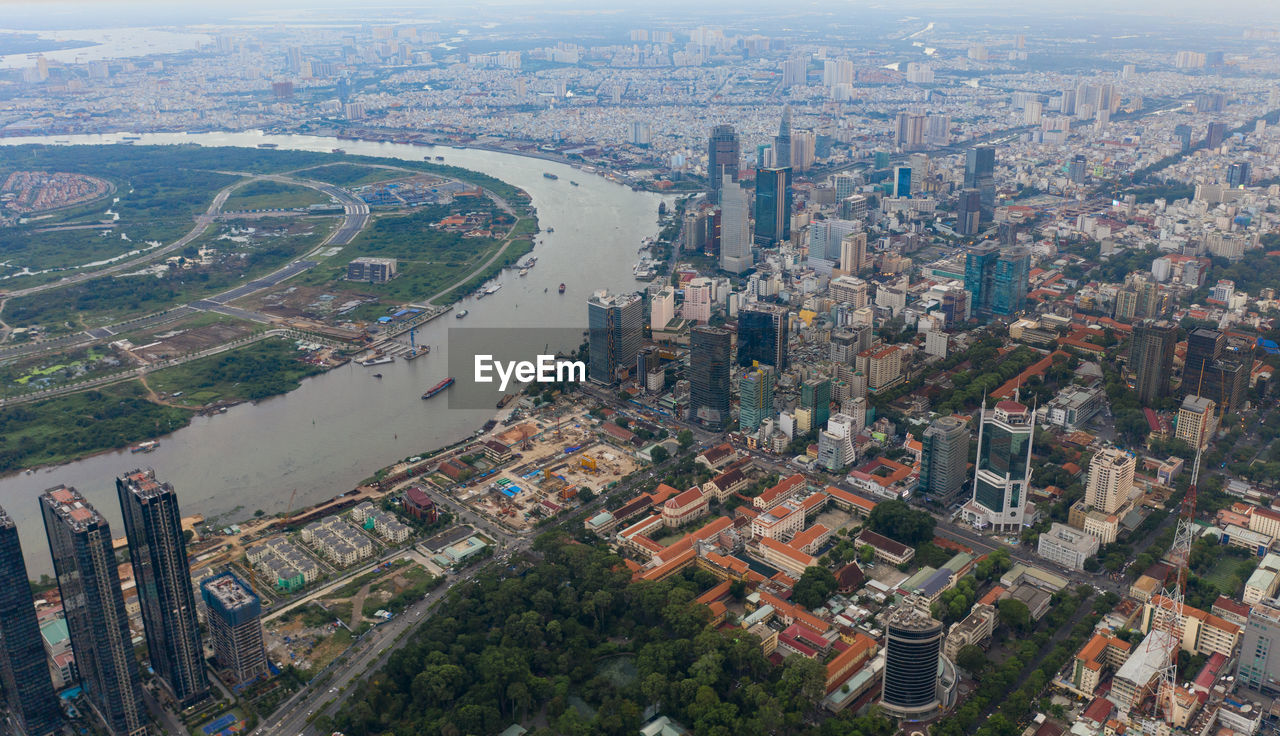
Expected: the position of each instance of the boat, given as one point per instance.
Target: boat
(462, 314)
(148, 446)
(561, 287)
(337, 150)
(439, 158)
(551, 229)
(377, 360)
(524, 272)
(489, 425)
(506, 399)
(549, 175)
(377, 375)
(415, 353)
(446, 383)
(492, 289)
(268, 145)
(131, 138)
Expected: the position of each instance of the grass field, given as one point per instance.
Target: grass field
(269, 195)
(255, 371)
(350, 175)
(1229, 573)
(66, 427)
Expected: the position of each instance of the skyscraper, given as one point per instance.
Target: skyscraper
(1002, 476)
(755, 399)
(763, 336)
(723, 155)
(782, 141)
(969, 212)
(23, 668)
(1216, 134)
(85, 565)
(1010, 282)
(979, 277)
(913, 650)
(1151, 358)
(944, 457)
(1076, 170)
(158, 551)
(1256, 668)
(235, 626)
(1238, 174)
(815, 395)
(773, 206)
(614, 322)
(901, 181)
(735, 227)
(979, 173)
(1213, 371)
(709, 376)
(1110, 480)
(825, 237)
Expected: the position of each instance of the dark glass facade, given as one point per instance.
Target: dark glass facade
(23, 668)
(709, 377)
(762, 337)
(913, 645)
(773, 206)
(158, 551)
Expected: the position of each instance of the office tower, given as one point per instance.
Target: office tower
(723, 155)
(853, 253)
(1183, 132)
(850, 290)
(944, 457)
(735, 227)
(755, 399)
(1238, 174)
(1151, 358)
(835, 443)
(969, 212)
(901, 181)
(1010, 282)
(1257, 669)
(614, 322)
(1197, 421)
(912, 654)
(698, 300)
(773, 206)
(1002, 476)
(825, 237)
(782, 141)
(815, 395)
(235, 626)
(662, 308)
(85, 565)
(1213, 371)
(763, 336)
(853, 207)
(709, 377)
(979, 277)
(1007, 234)
(844, 185)
(1216, 134)
(980, 173)
(1076, 172)
(1110, 480)
(881, 160)
(158, 552)
(24, 670)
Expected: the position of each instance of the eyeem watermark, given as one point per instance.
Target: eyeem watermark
(545, 369)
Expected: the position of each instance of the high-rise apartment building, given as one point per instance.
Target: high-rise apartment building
(1110, 482)
(773, 206)
(24, 671)
(709, 371)
(1197, 421)
(158, 552)
(944, 457)
(762, 336)
(235, 627)
(85, 565)
(854, 258)
(1151, 358)
(1256, 668)
(1002, 477)
(615, 323)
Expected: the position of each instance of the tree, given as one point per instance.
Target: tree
(659, 454)
(814, 587)
(867, 554)
(972, 659)
(1015, 614)
(897, 520)
(685, 438)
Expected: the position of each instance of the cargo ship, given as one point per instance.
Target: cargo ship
(268, 145)
(377, 360)
(446, 383)
(462, 314)
(561, 287)
(506, 399)
(148, 446)
(549, 175)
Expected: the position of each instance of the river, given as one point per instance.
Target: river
(339, 427)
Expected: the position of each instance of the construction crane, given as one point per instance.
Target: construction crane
(1169, 616)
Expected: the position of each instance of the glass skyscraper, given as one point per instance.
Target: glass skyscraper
(773, 206)
(1010, 282)
(24, 670)
(614, 324)
(1002, 477)
(709, 376)
(85, 564)
(979, 173)
(158, 551)
(762, 336)
(755, 399)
